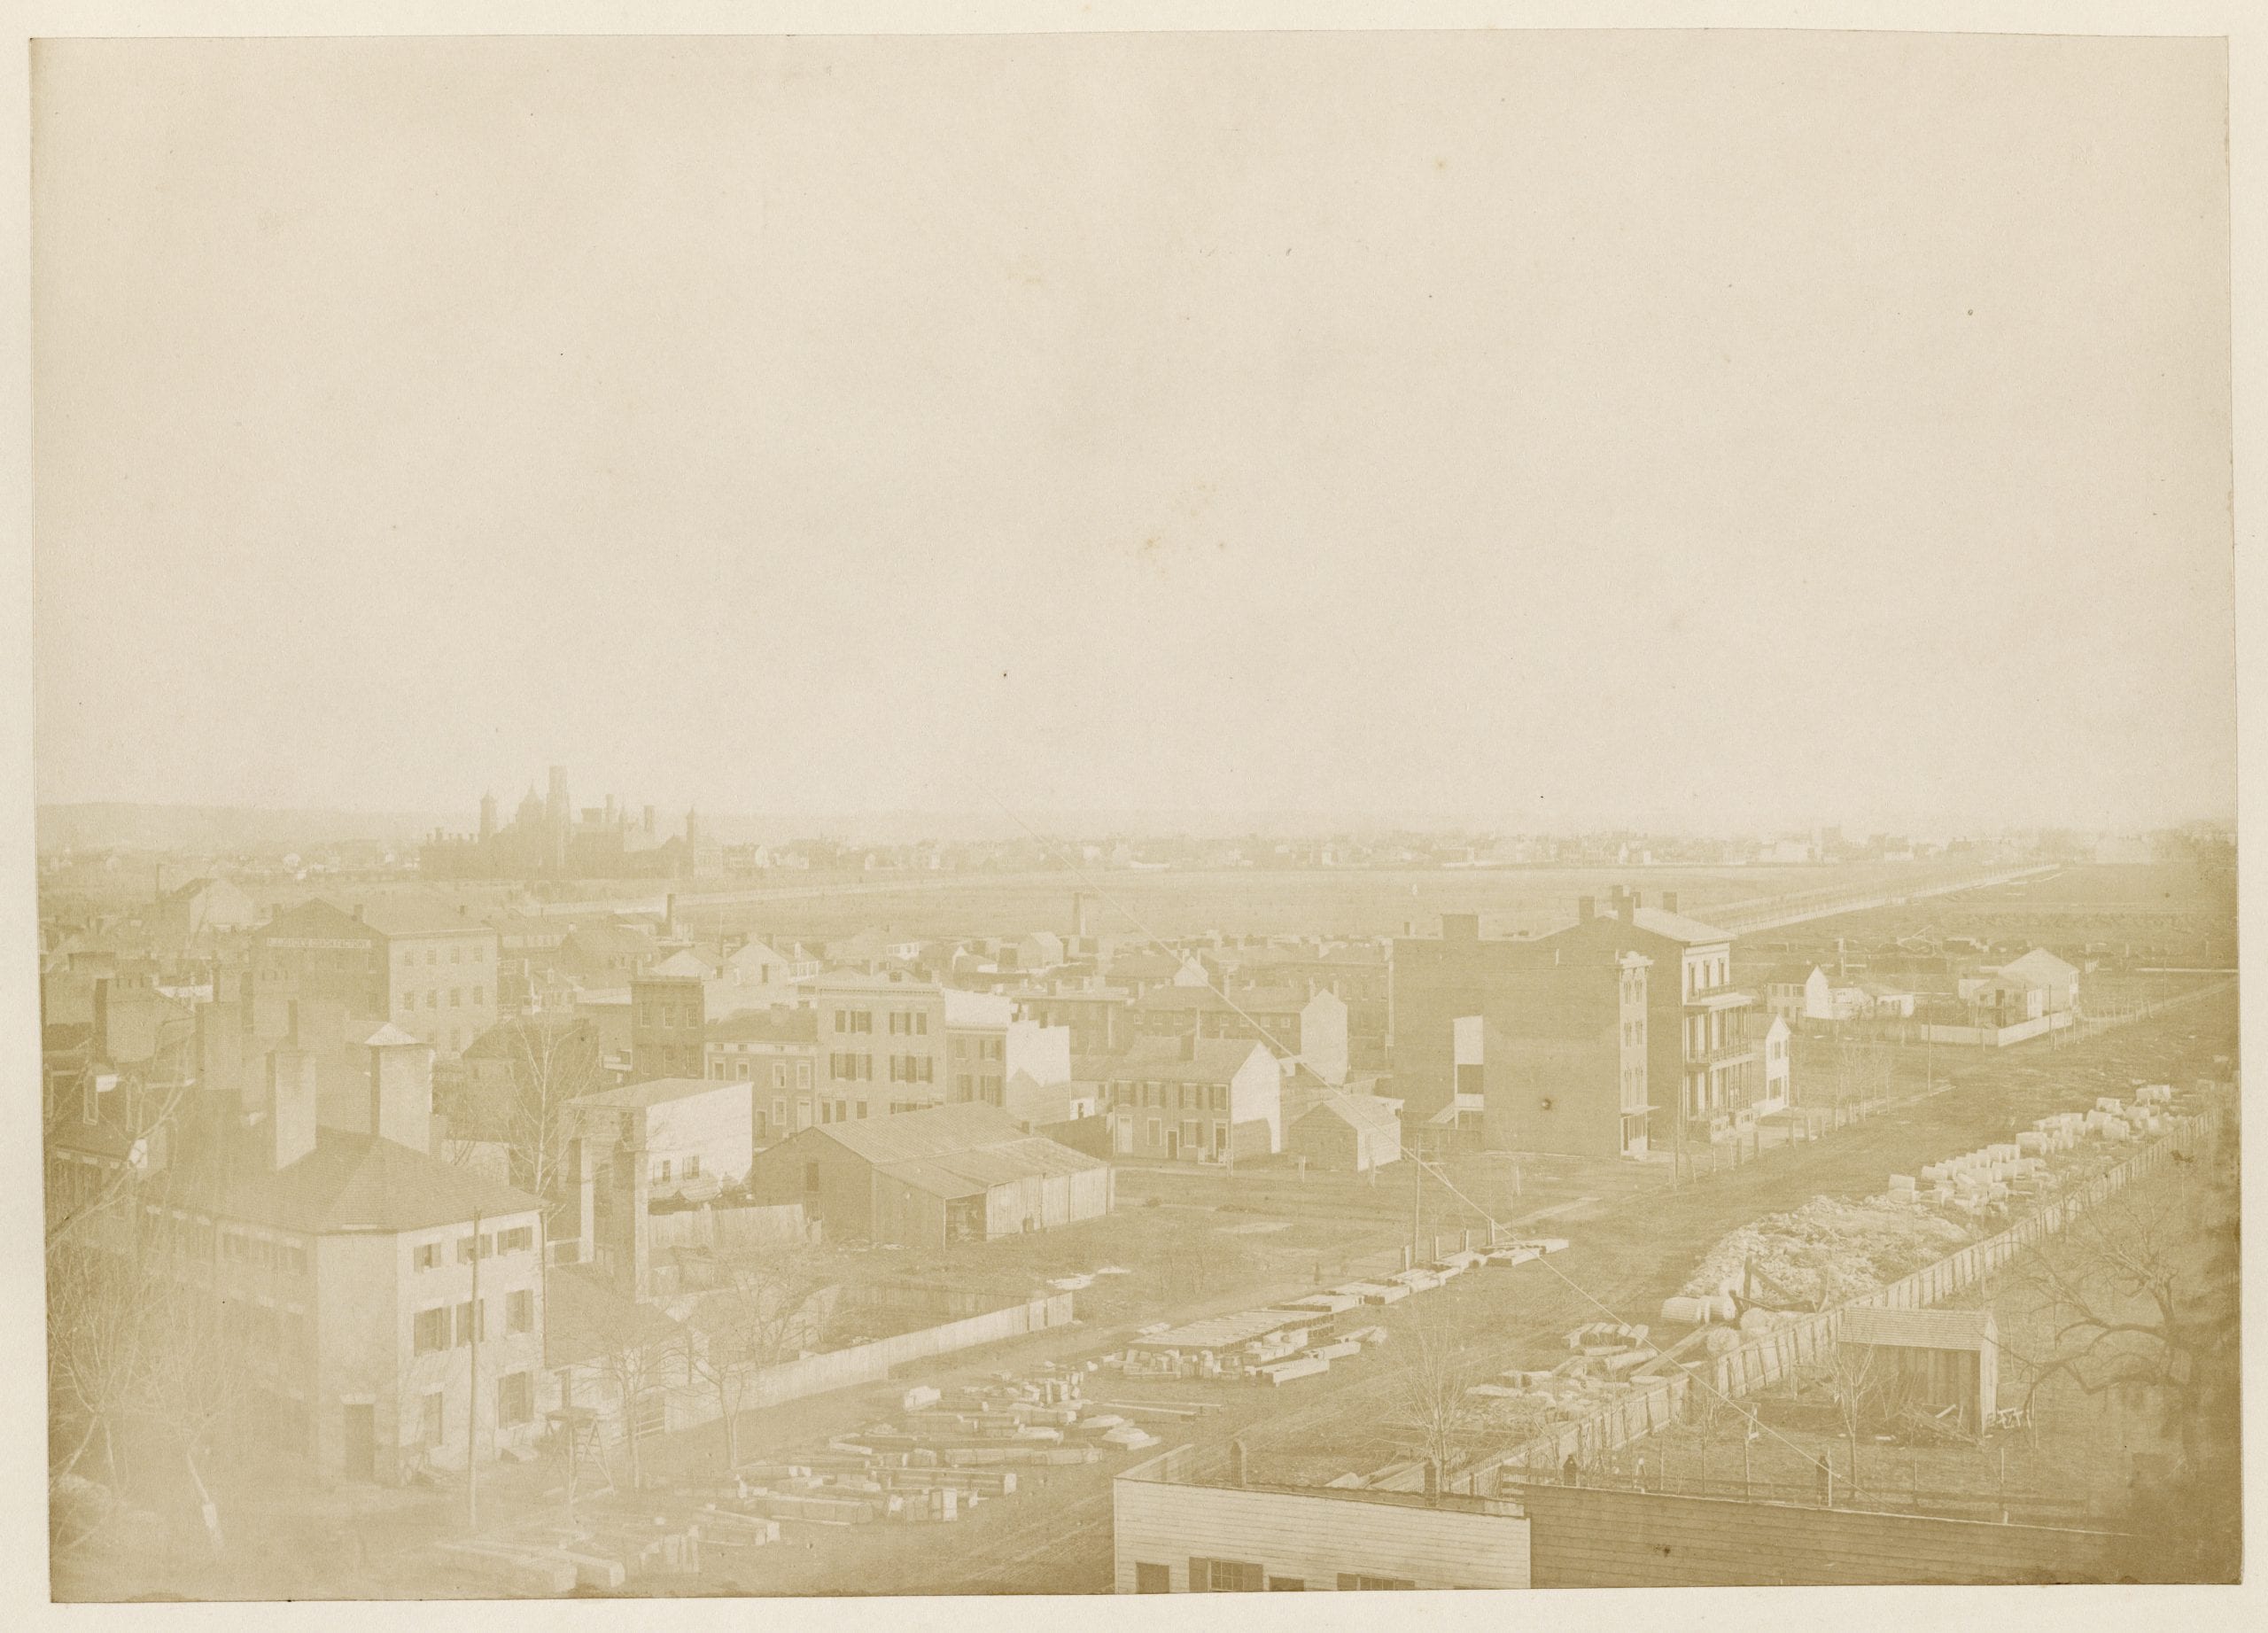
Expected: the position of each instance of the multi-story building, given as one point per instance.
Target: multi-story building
(776, 1053)
(353, 1277)
(1189, 1100)
(668, 1026)
(881, 1044)
(1296, 1024)
(987, 1044)
(1548, 1043)
(1701, 1061)
(431, 970)
(1095, 1014)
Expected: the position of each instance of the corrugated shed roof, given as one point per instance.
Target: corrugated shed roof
(957, 1150)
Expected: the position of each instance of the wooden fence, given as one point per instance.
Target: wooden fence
(1765, 1359)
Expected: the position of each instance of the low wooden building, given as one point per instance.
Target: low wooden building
(1347, 1134)
(1929, 1358)
(954, 1172)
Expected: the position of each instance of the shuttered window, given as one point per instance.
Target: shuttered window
(1351, 1584)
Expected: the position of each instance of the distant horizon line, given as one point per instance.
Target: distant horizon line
(1479, 821)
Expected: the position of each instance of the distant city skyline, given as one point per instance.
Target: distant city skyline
(1439, 422)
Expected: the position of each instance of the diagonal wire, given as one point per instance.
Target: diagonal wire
(1443, 1179)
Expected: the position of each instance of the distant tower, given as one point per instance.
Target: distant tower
(558, 815)
(487, 817)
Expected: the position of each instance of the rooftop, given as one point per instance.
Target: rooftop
(660, 1091)
(359, 1182)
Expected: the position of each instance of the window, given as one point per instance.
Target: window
(1152, 1578)
(432, 1435)
(432, 998)
(1286, 1584)
(515, 1398)
(409, 1000)
(862, 1109)
(803, 1074)
(1350, 1582)
(429, 1255)
(457, 998)
(1225, 1577)
(693, 1166)
(430, 1330)
(519, 1238)
(780, 1112)
(662, 1170)
(519, 1310)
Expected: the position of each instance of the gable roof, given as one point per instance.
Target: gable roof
(1160, 1060)
(962, 1149)
(660, 1091)
(2040, 965)
(1361, 1112)
(361, 1182)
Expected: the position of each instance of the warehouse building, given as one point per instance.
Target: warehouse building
(958, 1173)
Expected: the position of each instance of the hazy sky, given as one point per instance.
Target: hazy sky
(1561, 429)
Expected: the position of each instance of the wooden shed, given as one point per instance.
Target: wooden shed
(1930, 1358)
(949, 1172)
(1347, 1134)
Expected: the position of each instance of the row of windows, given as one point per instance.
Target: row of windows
(457, 998)
(1245, 1576)
(479, 953)
(519, 1238)
(664, 1017)
(741, 1071)
(982, 1049)
(445, 1326)
(689, 1170)
(839, 1110)
(1172, 1096)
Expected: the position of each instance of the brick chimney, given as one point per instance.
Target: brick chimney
(291, 1132)
(1630, 908)
(401, 1088)
(1669, 901)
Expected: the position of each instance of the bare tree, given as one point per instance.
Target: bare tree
(645, 1352)
(1433, 1405)
(762, 1314)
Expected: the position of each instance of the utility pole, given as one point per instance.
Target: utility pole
(472, 1395)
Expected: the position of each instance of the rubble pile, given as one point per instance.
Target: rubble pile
(1829, 1249)
(1824, 1249)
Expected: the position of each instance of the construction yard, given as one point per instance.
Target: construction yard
(1628, 1253)
(1180, 1248)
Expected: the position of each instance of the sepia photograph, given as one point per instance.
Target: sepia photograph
(1164, 811)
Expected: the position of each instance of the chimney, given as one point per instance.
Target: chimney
(1078, 914)
(1586, 909)
(1630, 908)
(401, 1088)
(586, 1186)
(358, 912)
(1669, 901)
(635, 1266)
(290, 1106)
(1236, 1462)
